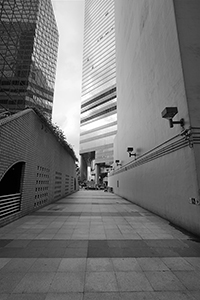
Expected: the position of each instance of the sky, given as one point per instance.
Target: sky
(69, 16)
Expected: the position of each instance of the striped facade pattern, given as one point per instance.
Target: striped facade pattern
(99, 101)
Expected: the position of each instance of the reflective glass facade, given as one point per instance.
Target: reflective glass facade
(28, 54)
(99, 101)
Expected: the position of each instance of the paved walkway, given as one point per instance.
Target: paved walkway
(94, 245)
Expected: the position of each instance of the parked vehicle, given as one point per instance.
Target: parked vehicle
(91, 185)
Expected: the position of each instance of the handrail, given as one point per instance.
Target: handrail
(156, 147)
(157, 151)
(187, 137)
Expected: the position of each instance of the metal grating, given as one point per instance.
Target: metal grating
(9, 204)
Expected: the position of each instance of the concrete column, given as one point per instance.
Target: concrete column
(83, 169)
(88, 172)
(97, 171)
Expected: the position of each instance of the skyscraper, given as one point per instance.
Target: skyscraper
(98, 103)
(28, 54)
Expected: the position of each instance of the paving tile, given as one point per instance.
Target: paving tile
(18, 243)
(27, 236)
(194, 261)
(35, 296)
(97, 244)
(72, 265)
(166, 252)
(58, 244)
(62, 237)
(4, 296)
(195, 294)
(78, 244)
(175, 295)
(109, 225)
(113, 231)
(64, 296)
(64, 282)
(121, 252)
(177, 263)
(100, 296)
(193, 243)
(126, 264)
(114, 236)
(21, 265)
(4, 261)
(8, 252)
(45, 265)
(98, 252)
(138, 296)
(8, 281)
(132, 252)
(126, 244)
(190, 279)
(99, 265)
(37, 282)
(75, 253)
(133, 281)
(169, 243)
(94, 237)
(188, 252)
(45, 236)
(100, 282)
(132, 235)
(148, 236)
(164, 281)
(31, 253)
(9, 236)
(52, 253)
(152, 264)
(80, 236)
(3, 242)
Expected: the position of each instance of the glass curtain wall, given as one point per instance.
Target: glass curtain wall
(28, 47)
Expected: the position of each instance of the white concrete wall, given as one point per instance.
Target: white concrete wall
(149, 73)
(187, 14)
(150, 78)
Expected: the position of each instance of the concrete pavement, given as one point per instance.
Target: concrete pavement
(95, 245)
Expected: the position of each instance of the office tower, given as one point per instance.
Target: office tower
(28, 54)
(98, 102)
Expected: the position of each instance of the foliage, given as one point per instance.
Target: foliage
(57, 132)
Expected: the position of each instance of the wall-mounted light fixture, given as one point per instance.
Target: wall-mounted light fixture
(168, 113)
(118, 162)
(130, 152)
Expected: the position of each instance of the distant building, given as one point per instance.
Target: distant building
(98, 103)
(28, 47)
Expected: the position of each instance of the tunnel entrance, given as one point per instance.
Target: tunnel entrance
(10, 190)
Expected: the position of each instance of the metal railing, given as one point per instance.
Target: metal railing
(9, 204)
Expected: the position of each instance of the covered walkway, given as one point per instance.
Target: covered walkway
(94, 245)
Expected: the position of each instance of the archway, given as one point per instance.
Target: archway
(10, 190)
